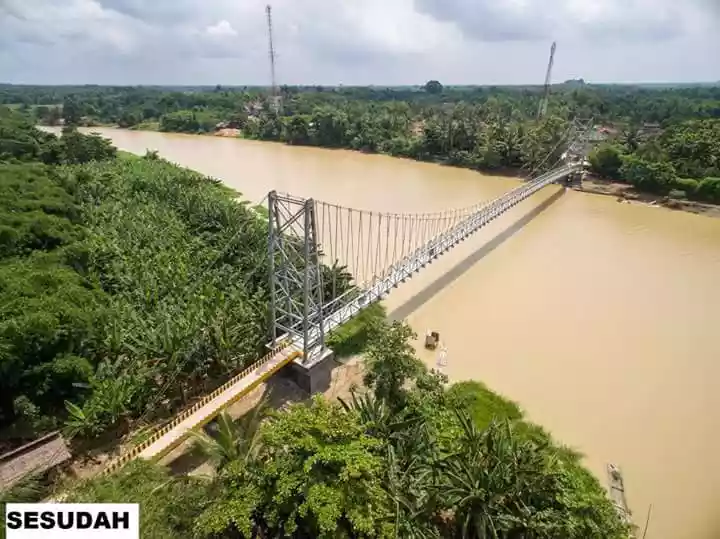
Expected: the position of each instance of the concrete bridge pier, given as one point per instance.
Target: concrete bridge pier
(573, 180)
(312, 374)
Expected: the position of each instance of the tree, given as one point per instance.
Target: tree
(76, 148)
(433, 87)
(606, 161)
(318, 475)
(183, 121)
(233, 441)
(652, 177)
(71, 111)
(376, 416)
(130, 118)
(693, 147)
(630, 138)
(297, 129)
(501, 484)
(391, 363)
(336, 281)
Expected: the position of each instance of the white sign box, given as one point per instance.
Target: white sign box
(72, 520)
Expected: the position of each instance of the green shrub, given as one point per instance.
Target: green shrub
(481, 403)
(687, 185)
(709, 190)
(351, 338)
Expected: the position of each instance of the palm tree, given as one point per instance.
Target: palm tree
(377, 417)
(630, 138)
(336, 281)
(234, 441)
(410, 487)
(409, 475)
(496, 482)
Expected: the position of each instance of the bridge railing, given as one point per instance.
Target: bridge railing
(432, 249)
(182, 416)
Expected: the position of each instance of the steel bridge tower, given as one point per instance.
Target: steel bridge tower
(275, 98)
(542, 107)
(296, 287)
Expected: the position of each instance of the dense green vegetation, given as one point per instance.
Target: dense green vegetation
(125, 284)
(660, 140)
(684, 159)
(128, 283)
(406, 457)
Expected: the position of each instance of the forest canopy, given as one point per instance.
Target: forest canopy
(125, 284)
(658, 139)
(406, 456)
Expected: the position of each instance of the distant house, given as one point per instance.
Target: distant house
(602, 133)
(608, 130)
(650, 130)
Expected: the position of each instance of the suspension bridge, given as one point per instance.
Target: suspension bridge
(328, 263)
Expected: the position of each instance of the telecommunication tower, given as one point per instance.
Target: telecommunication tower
(275, 98)
(542, 109)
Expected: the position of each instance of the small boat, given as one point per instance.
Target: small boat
(442, 357)
(617, 492)
(432, 338)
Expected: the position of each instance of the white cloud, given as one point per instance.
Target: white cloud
(522, 20)
(356, 41)
(222, 28)
(74, 21)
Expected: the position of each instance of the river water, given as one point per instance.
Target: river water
(600, 319)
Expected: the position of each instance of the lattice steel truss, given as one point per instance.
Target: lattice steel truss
(580, 132)
(296, 288)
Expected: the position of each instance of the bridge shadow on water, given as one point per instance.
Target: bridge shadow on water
(426, 294)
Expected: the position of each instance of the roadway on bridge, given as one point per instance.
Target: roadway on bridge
(237, 389)
(174, 433)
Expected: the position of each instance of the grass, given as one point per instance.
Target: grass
(147, 125)
(350, 338)
(483, 404)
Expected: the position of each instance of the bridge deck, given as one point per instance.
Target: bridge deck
(173, 434)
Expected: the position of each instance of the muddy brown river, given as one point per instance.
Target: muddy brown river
(600, 319)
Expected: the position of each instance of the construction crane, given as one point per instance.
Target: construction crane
(542, 108)
(276, 101)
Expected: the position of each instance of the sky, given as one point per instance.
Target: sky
(357, 42)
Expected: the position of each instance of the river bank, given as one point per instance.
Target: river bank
(623, 192)
(627, 194)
